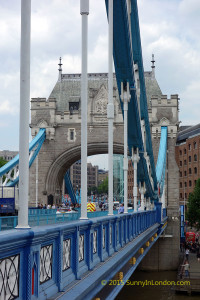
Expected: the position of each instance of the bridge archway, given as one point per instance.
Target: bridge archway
(63, 162)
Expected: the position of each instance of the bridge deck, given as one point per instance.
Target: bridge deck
(91, 283)
(50, 259)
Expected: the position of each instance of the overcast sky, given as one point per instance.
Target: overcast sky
(169, 29)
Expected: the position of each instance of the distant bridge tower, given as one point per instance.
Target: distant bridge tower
(164, 112)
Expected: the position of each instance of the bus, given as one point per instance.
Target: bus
(8, 200)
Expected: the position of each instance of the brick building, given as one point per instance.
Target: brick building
(75, 175)
(92, 172)
(188, 159)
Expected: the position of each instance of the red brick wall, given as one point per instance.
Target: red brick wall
(189, 167)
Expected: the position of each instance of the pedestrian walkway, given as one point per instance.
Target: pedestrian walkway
(194, 276)
(194, 267)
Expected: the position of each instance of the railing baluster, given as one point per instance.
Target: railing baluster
(100, 244)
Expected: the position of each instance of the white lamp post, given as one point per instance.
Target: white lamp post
(84, 10)
(24, 113)
(110, 108)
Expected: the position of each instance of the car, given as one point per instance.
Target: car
(116, 204)
(65, 210)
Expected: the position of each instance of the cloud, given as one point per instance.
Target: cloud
(190, 95)
(100, 160)
(169, 29)
(190, 8)
(3, 124)
(6, 107)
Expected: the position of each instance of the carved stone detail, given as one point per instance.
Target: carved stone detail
(101, 101)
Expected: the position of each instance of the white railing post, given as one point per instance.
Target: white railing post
(84, 11)
(163, 201)
(142, 192)
(24, 114)
(163, 197)
(110, 108)
(125, 97)
(148, 203)
(36, 181)
(135, 159)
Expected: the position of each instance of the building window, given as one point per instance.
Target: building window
(189, 146)
(195, 157)
(181, 174)
(190, 183)
(190, 158)
(180, 184)
(195, 145)
(181, 195)
(73, 106)
(71, 134)
(190, 171)
(185, 162)
(180, 162)
(185, 195)
(185, 184)
(195, 182)
(195, 170)
(185, 173)
(184, 151)
(180, 152)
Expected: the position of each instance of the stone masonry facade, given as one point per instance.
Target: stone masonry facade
(62, 146)
(164, 255)
(61, 116)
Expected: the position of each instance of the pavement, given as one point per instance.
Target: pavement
(194, 266)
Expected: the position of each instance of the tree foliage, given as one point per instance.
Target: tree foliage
(92, 190)
(193, 210)
(103, 187)
(2, 162)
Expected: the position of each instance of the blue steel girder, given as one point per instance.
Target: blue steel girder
(124, 69)
(137, 57)
(68, 185)
(161, 161)
(34, 146)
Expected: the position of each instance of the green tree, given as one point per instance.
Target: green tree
(103, 187)
(2, 162)
(92, 190)
(193, 211)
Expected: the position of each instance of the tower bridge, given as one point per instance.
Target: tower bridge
(61, 149)
(60, 114)
(128, 113)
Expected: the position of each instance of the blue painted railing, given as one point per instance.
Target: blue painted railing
(164, 212)
(37, 211)
(40, 217)
(48, 258)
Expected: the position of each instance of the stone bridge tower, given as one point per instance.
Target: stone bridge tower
(61, 116)
(164, 255)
